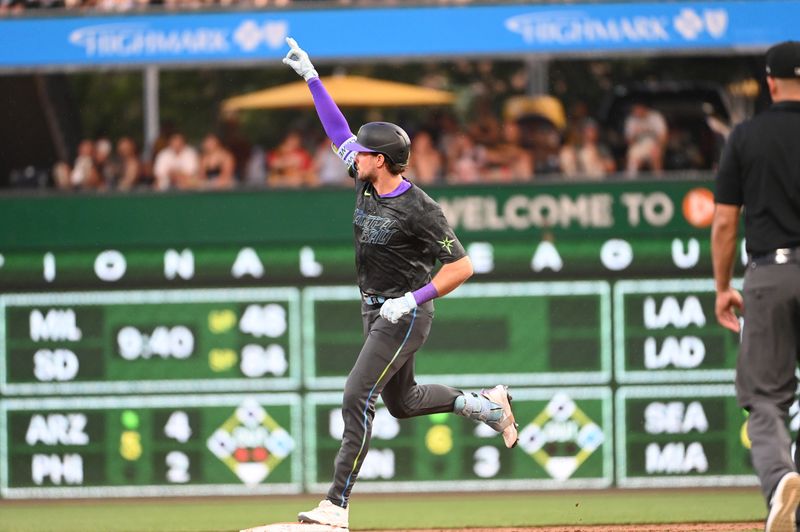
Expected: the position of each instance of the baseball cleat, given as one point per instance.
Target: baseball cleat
(326, 513)
(781, 517)
(506, 424)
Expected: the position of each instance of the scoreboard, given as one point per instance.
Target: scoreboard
(200, 391)
(147, 341)
(666, 331)
(681, 436)
(153, 367)
(170, 444)
(563, 444)
(524, 334)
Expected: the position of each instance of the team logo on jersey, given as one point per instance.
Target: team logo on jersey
(374, 229)
(447, 244)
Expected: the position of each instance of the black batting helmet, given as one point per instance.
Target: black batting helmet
(386, 138)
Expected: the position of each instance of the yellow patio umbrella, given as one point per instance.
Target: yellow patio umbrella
(349, 91)
(542, 105)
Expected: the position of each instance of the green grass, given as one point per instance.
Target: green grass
(381, 512)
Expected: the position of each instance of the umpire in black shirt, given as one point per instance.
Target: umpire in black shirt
(760, 174)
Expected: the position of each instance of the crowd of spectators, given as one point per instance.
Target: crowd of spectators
(487, 150)
(488, 146)
(100, 165)
(10, 7)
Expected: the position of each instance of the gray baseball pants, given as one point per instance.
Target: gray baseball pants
(385, 367)
(765, 370)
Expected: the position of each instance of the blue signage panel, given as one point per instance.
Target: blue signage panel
(404, 32)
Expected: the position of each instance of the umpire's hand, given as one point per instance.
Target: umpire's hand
(394, 309)
(727, 300)
(297, 58)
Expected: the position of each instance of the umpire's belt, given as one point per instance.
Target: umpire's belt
(779, 256)
(373, 300)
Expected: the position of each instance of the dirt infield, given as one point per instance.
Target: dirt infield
(675, 527)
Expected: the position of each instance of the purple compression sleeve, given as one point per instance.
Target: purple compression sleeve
(426, 293)
(332, 119)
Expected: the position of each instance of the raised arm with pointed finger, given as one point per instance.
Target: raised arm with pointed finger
(333, 121)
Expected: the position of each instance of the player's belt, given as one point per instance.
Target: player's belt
(779, 256)
(373, 300)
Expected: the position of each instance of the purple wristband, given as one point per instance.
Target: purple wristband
(425, 294)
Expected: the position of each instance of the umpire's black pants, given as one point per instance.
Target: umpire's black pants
(765, 371)
(385, 366)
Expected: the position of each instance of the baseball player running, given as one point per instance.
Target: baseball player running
(400, 232)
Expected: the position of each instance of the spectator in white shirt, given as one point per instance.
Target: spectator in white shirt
(646, 134)
(588, 159)
(177, 165)
(84, 173)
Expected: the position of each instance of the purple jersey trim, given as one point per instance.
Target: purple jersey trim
(425, 294)
(402, 187)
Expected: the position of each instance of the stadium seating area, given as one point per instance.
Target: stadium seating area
(488, 149)
(16, 6)
(484, 139)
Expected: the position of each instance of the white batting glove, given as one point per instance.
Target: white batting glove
(297, 58)
(396, 308)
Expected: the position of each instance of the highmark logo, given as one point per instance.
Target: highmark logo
(250, 34)
(130, 40)
(576, 27)
(691, 24)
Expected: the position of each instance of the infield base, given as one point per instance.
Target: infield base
(294, 527)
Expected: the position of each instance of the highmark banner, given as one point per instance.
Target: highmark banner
(247, 37)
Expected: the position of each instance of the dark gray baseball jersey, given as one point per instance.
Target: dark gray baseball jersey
(398, 240)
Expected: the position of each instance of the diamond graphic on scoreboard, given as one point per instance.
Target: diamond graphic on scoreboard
(561, 437)
(251, 443)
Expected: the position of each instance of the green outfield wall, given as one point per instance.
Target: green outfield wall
(624, 208)
(190, 344)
